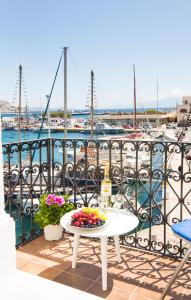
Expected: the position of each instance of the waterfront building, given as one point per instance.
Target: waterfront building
(124, 119)
(183, 109)
(6, 107)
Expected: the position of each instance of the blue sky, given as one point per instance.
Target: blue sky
(104, 35)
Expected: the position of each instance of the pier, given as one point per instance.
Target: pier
(123, 119)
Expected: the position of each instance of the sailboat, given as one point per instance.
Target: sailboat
(137, 133)
(141, 134)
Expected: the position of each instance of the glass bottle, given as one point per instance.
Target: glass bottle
(106, 190)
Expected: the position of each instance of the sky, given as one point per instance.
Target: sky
(106, 36)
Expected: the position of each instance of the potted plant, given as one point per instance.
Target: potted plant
(51, 209)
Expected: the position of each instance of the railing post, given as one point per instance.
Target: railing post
(49, 165)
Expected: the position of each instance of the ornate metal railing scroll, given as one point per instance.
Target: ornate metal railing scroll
(149, 178)
(26, 176)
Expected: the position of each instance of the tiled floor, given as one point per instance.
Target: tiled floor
(139, 276)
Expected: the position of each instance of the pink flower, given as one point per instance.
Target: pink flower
(50, 199)
(59, 200)
(50, 196)
(49, 202)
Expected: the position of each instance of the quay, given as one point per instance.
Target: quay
(113, 123)
(122, 119)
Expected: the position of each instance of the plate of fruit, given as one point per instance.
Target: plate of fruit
(88, 218)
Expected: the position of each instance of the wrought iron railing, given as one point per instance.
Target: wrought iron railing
(150, 178)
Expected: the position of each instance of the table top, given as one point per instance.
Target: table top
(118, 222)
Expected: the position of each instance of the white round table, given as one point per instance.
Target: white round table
(118, 223)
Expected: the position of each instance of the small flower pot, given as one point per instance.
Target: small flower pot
(53, 232)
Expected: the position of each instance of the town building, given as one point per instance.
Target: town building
(154, 119)
(183, 109)
(6, 107)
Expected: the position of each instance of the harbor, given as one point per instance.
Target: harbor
(66, 153)
(105, 125)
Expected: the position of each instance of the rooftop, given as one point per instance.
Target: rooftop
(140, 276)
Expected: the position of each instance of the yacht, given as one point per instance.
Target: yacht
(104, 128)
(46, 128)
(8, 126)
(147, 126)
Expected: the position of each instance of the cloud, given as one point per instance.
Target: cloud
(176, 93)
(117, 96)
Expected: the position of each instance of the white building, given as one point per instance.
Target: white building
(5, 106)
(183, 109)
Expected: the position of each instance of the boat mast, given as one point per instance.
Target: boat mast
(50, 95)
(47, 97)
(26, 112)
(19, 107)
(65, 92)
(157, 103)
(135, 104)
(92, 105)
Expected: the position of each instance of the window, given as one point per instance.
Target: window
(183, 110)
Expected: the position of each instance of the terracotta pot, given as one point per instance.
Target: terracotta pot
(53, 232)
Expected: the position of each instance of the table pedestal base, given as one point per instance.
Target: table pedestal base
(75, 250)
(103, 256)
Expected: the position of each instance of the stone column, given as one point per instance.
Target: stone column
(7, 230)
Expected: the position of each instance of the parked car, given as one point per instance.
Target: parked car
(171, 125)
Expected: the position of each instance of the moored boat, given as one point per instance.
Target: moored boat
(104, 128)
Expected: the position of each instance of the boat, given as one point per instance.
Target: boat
(136, 135)
(80, 112)
(147, 126)
(45, 128)
(104, 128)
(131, 136)
(70, 154)
(140, 161)
(8, 126)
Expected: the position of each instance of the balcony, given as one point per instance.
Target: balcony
(149, 178)
(140, 276)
